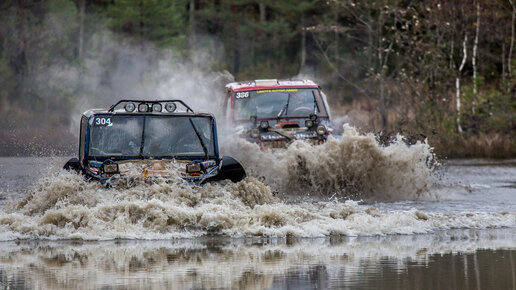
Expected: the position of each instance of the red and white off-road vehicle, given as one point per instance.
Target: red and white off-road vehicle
(273, 112)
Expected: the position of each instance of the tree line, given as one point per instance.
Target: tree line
(442, 70)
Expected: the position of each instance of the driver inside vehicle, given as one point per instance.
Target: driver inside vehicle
(301, 104)
(188, 143)
(185, 140)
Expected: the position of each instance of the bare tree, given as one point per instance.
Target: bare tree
(457, 81)
(474, 59)
(475, 50)
(509, 57)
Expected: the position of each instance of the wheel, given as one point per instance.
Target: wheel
(73, 165)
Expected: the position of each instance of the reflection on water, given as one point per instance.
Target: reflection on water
(459, 259)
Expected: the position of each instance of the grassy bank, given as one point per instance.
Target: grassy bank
(482, 146)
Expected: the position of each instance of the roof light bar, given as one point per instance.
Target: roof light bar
(142, 107)
(157, 108)
(130, 107)
(170, 107)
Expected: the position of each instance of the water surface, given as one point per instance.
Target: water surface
(452, 229)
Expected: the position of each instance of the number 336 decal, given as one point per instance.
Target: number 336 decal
(242, 95)
(102, 121)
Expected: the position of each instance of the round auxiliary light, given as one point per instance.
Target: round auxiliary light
(309, 123)
(321, 130)
(156, 107)
(255, 133)
(264, 124)
(143, 108)
(129, 107)
(170, 107)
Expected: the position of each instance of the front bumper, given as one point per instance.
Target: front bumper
(151, 177)
(275, 140)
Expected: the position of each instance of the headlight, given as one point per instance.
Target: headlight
(321, 130)
(264, 124)
(170, 107)
(309, 123)
(255, 133)
(110, 168)
(156, 107)
(193, 168)
(129, 107)
(143, 108)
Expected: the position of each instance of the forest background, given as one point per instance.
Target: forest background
(438, 70)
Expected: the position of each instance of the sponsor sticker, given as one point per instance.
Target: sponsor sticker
(276, 91)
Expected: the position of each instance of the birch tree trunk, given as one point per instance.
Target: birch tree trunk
(474, 60)
(457, 81)
(509, 57)
(475, 49)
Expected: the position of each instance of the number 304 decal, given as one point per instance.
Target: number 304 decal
(102, 121)
(242, 95)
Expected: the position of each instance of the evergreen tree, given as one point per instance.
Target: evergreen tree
(160, 21)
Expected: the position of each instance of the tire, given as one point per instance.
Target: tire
(230, 169)
(73, 165)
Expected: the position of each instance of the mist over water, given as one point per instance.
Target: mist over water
(149, 73)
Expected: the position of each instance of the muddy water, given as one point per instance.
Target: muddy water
(349, 213)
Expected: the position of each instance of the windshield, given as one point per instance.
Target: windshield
(150, 136)
(275, 103)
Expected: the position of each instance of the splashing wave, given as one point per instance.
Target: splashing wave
(64, 206)
(355, 166)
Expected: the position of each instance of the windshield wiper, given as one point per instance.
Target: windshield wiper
(204, 148)
(315, 106)
(140, 155)
(285, 108)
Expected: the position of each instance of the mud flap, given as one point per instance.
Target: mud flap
(73, 164)
(230, 169)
